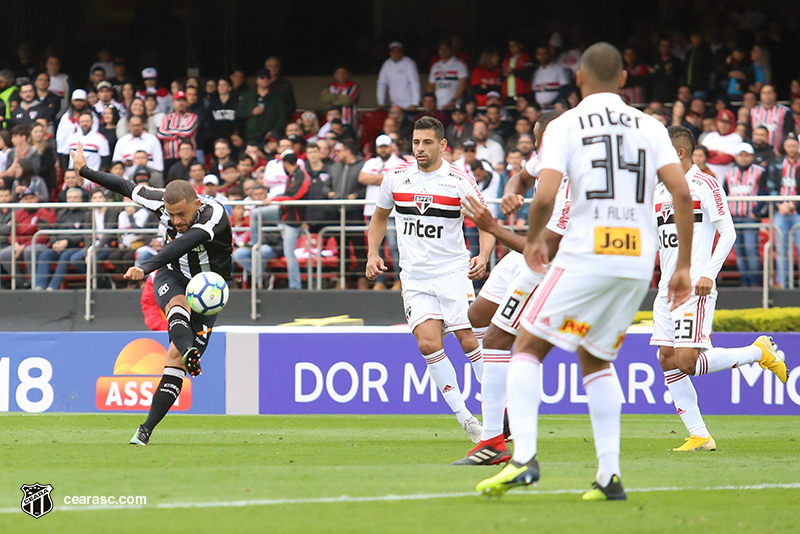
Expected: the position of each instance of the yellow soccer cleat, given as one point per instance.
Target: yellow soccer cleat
(696, 443)
(772, 359)
(512, 476)
(612, 492)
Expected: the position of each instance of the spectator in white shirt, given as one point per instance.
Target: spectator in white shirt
(138, 140)
(399, 75)
(448, 77)
(487, 149)
(548, 79)
(95, 145)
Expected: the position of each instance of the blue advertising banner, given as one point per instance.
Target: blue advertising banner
(383, 373)
(100, 371)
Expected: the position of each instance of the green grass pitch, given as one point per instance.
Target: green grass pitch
(274, 473)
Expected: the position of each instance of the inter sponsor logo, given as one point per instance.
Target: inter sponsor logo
(418, 229)
(667, 239)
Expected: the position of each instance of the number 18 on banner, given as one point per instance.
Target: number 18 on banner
(34, 392)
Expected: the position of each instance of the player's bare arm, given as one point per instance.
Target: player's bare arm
(680, 285)
(375, 235)
(514, 192)
(536, 250)
(482, 217)
(477, 264)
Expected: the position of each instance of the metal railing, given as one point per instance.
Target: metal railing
(314, 265)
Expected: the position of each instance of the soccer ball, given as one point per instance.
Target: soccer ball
(207, 293)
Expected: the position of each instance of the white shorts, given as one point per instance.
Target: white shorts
(501, 277)
(446, 298)
(688, 326)
(572, 309)
(518, 294)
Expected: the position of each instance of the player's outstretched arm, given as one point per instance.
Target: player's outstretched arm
(377, 231)
(109, 181)
(175, 249)
(680, 285)
(482, 217)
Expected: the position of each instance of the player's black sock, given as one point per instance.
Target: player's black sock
(165, 396)
(180, 331)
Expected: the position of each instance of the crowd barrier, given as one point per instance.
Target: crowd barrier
(312, 267)
(340, 370)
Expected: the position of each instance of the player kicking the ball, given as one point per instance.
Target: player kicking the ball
(197, 235)
(436, 269)
(495, 314)
(601, 272)
(684, 335)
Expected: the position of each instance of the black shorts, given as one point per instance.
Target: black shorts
(169, 284)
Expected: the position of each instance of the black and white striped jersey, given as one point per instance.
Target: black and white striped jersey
(213, 254)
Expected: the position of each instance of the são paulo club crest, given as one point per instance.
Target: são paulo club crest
(665, 213)
(36, 501)
(423, 202)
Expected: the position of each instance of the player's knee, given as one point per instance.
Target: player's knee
(178, 300)
(666, 357)
(429, 345)
(686, 362)
(476, 318)
(497, 339)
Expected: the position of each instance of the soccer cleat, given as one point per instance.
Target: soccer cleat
(513, 475)
(613, 492)
(473, 428)
(772, 359)
(141, 436)
(696, 443)
(486, 454)
(191, 360)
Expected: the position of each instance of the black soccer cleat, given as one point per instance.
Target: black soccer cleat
(612, 492)
(141, 436)
(485, 454)
(191, 360)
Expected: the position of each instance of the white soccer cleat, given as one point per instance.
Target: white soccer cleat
(473, 428)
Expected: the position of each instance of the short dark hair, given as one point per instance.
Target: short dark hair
(494, 106)
(312, 145)
(20, 129)
(761, 127)
(86, 112)
(98, 68)
(476, 164)
(245, 157)
(683, 136)
(223, 141)
(186, 142)
(195, 162)
(602, 62)
(350, 146)
(236, 190)
(429, 123)
(178, 190)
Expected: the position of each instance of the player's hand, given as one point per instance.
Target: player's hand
(477, 267)
(258, 110)
(375, 266)
(479, 214)
(536, 255)
(134, 273)
(511, 203)
(703, 287)
(680, 288)
(78, 159)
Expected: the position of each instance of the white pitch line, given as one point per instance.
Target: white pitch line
(380, 498)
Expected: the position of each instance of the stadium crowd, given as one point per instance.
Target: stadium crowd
(240, 138)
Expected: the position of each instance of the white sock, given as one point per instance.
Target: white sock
(479, 333)
(605, 406)
(444, 376)
(685, 398)
(493, 391)
(476, 357)
(524, 387)
(719, 359)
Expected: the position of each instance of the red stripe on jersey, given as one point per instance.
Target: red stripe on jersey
(707, 178)
(695, 203)
(437, 199)
(458, 172)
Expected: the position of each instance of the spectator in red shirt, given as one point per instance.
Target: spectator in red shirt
(633, 92)
(345, 93)
(29, 221)
(154, 318)
(486, 76)
(517, 71)
(179, 125)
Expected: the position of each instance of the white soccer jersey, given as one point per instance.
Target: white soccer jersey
(377, 166)
(611, 153)
(95, 146)
(710, 205)
(446, 75)
(559, 219)
(429, 220)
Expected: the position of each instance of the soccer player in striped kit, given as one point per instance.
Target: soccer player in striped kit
(197, 235)
(683, 335)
